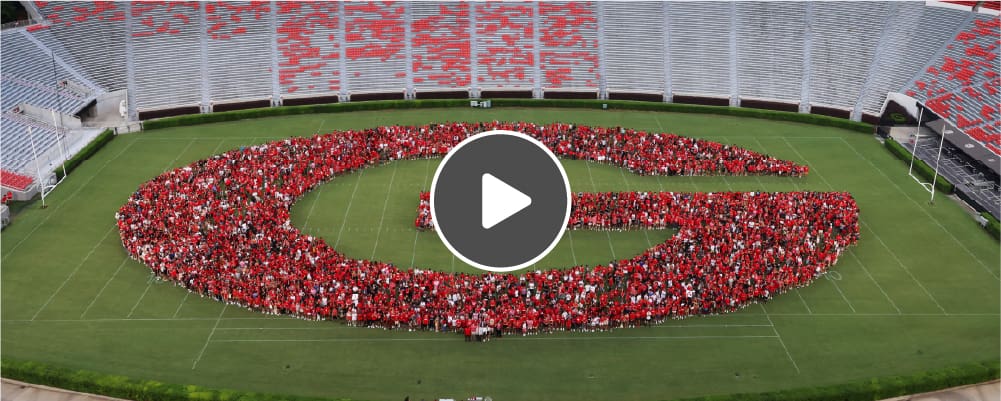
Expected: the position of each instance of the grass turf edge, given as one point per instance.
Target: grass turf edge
(87, 381)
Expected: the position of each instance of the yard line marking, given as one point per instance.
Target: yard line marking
(506, 338)
(378, 233)
(659, 125)
(149, 282)
(344, 222)
(862, 265)
(572, 251)
(70, 197)
(417, 233)
(291, 318)
(939, 224)
(594, 188)
(207, 340)
(178, 310)
(780, 338)
(862, 223)
(106, 283)
(312, 207)
(796, 290)
(133, 310)
(899, 262)
(73, 273)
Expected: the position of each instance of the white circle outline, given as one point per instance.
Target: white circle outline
(434, 186)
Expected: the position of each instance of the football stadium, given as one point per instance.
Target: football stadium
(500, 200)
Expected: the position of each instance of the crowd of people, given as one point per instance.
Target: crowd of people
(220, 227)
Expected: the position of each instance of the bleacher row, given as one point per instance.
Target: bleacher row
(837, 55)
(964, 85)
(33, 78)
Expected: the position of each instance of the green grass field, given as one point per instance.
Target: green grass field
(919, 291)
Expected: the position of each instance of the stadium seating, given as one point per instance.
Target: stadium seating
(374, 42)
(848, 54)
(568, 35)
(239, 50)
(79, 32)
(699, 48)
(963, 86)
(309, 51)
(15, 181)
(626, 69)
(28, 79)
(441, 46)
(769, 50)
(832, 54)
(844, 40)
(505, 45)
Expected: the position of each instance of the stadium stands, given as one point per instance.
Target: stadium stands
(628, 70)
(848, 54)
(506, 46)
(963, 87)
(568, 35)
(14, 180)
(239, 56)
(441, 48)
(374, 46)
(832, 55)
(309, 49)
(33, 78)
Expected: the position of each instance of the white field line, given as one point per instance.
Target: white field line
(209, 339)
(903, 266)
(865, 225)
(796, 290)
(140, 300)
(594, 188)
(309, 215)
(70, 197)
(274, 318)
(73, 273)
(932, 218)
(779, 337)
(572, 251)
(106, 283)
(178, 310)
(836, 286)
(506, 338)
(344, 222)
(417, 233)
(378, 233)
(862, 265)
(149, 282)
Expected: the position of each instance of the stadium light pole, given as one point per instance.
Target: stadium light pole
(938, 159)
(917, 136)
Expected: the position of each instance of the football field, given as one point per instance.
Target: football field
(920, 290)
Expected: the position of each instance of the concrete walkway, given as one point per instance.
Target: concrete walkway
(13, 390)
(990, 391)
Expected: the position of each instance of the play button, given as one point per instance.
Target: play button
(500, 201)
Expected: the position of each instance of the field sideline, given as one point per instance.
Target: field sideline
(919, 291)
